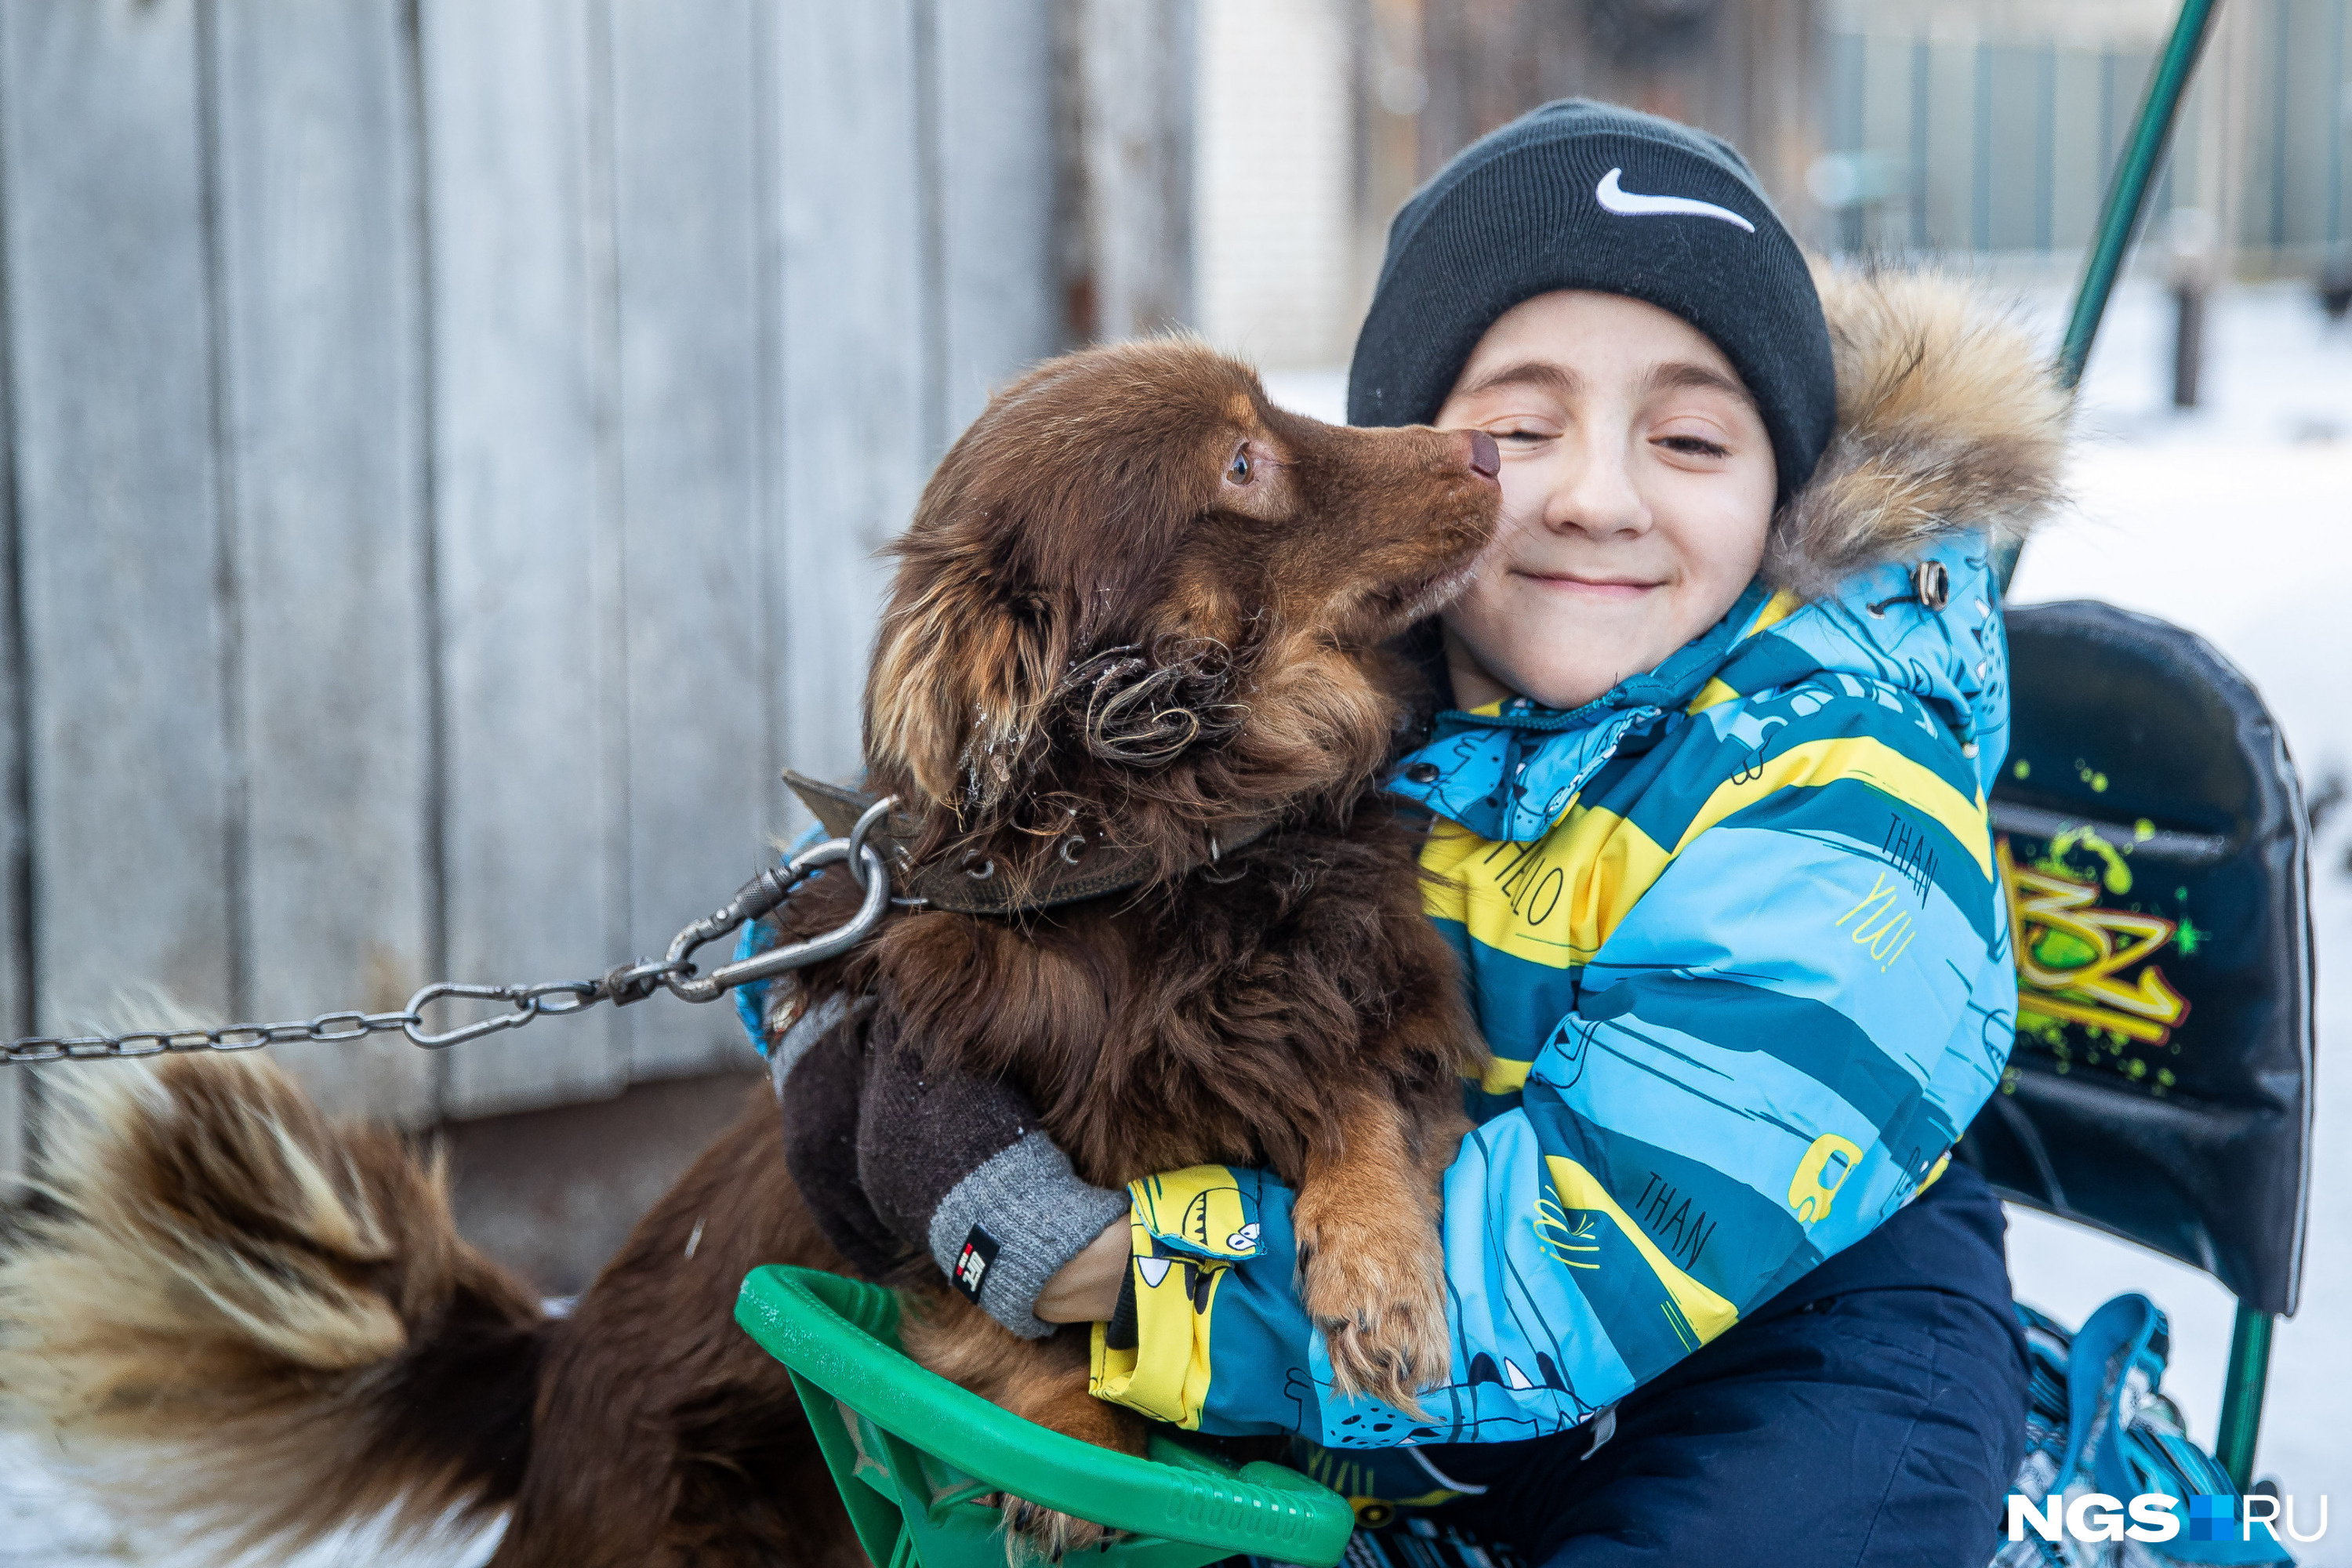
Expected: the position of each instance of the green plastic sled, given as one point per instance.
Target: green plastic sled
(917, 1459)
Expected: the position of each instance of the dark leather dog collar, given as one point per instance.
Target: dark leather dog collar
(1083, 867)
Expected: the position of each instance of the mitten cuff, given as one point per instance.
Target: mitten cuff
(1008, 1228)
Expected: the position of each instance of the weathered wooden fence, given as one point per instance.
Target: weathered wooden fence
(446, 444)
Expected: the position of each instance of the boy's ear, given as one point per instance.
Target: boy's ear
(960, 679)
(1143, 708)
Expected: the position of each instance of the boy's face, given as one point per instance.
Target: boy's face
(1637, 482)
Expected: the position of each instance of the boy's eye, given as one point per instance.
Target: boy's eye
(1694, 447)
(1521, 433)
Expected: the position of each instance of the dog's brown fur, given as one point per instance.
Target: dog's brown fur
(1139, 603)
(237, 1314)
(1101, 624)
(1265, 1005)
(227, 1264)
(237, 1318)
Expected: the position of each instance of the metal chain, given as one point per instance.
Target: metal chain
(550, 999)
(235, 1037)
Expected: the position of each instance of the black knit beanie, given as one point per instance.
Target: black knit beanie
(1579, 194)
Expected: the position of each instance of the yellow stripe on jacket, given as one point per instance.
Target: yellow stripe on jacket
(1556, 900)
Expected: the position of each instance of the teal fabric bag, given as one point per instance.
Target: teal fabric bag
(2098, 1421)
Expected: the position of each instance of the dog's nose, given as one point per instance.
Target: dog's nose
(1485, 459)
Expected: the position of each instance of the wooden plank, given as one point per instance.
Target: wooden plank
(687, 228)
(127, 725)
(1002, 310)
(1136, 71)
(21, 1090)
(324, 381)
(520, 279)
(853, 378)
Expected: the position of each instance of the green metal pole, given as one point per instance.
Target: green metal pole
(2127, 194)
(2241, 1394)
(2134, 174)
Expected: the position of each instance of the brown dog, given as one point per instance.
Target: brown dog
(1138, 616)
(1161, 657)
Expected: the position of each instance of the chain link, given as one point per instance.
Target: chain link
(233, 1037)
(549, 999)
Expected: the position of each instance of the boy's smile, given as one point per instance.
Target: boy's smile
(1637, 483)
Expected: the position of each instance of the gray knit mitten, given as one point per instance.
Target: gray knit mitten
(957, 1164)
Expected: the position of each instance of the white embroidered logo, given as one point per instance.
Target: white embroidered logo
(1629, 203)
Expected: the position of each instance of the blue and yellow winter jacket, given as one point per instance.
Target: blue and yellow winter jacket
(1735, 935)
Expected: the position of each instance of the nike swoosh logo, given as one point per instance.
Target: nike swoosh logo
(1630, 203)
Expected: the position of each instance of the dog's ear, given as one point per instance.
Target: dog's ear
(962, 675)
(1143, 708)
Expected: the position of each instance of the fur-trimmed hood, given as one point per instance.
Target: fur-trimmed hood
(1950, 421)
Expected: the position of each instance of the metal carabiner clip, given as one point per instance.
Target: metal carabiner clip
(439, 989)
(765, 892)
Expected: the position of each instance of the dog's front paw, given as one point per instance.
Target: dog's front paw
(1035, 1534)
(1377, 1298)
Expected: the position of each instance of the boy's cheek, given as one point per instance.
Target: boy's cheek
(1468, 643)
(1530, 645)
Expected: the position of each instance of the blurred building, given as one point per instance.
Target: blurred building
(1992, 126)
(1316, 119)
(1987, 129)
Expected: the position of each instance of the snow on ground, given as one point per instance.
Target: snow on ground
(45, 1524)
(2235, 522)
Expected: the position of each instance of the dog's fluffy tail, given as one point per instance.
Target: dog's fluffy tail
(233, 1318)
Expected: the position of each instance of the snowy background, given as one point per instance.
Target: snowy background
(2234, 521)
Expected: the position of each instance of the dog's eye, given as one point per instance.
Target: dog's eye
(1239, 470)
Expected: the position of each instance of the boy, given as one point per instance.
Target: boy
(1708, 832)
